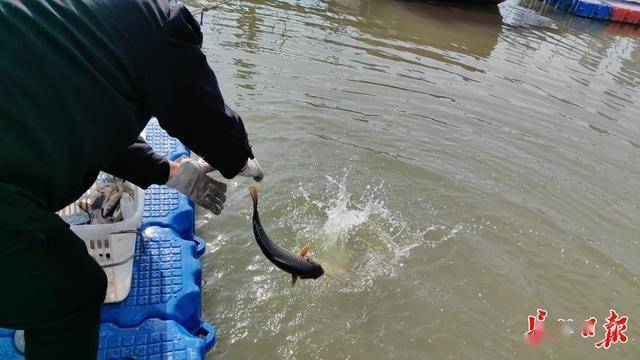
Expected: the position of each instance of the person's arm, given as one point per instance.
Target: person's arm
(181, 90)
(140, 165)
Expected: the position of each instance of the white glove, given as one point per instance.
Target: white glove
(253, 169)
(192, 180)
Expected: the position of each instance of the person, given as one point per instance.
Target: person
(81, 79)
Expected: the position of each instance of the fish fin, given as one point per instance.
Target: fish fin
(254, 194)
(304, 250)
(294, 278)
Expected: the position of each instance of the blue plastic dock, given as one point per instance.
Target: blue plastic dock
(611, 10)
(165, 283)
(153, 339)
(160, 319)
(164, 206)
(162, 143)
(167, 207)
(7, 350)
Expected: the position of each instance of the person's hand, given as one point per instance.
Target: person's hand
(191, 179)
(253, 169)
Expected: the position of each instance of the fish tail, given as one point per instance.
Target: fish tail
(254, 195)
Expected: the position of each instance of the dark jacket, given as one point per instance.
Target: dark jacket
(81, 79)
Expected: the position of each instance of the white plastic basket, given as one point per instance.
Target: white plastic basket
(113, 247)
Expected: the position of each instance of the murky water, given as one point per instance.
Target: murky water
(455, 169)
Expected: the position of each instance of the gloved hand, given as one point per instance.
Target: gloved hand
(192, 180)
(253, 169)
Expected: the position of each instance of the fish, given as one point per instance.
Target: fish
(75, 214)
(298, 265)
(109, 200)
(112, 201)
(113, 190)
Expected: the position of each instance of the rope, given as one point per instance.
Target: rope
(204, 9)
(142, 248)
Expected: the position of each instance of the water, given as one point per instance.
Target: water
(454, 168)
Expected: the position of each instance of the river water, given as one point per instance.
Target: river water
(453, 168)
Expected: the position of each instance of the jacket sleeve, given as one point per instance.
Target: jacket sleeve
(140, 165)
(182, 91)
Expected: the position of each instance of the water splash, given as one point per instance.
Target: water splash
(343, 214)
(354, 233)
(423, 238)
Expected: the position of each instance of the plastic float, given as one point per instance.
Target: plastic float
(618, 11)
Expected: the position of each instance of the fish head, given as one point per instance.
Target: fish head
(316, 269)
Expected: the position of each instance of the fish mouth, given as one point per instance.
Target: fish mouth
(315, 273)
